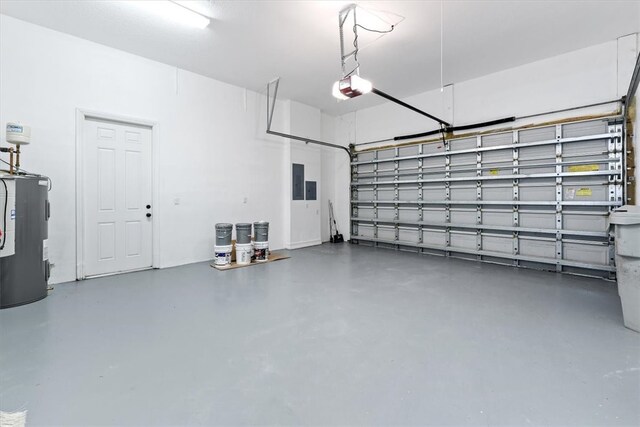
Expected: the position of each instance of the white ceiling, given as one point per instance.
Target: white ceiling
(250, 42)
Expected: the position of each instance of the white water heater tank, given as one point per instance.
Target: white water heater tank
(8, 223)
(18, 134)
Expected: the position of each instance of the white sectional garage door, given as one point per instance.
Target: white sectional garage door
(536, 197)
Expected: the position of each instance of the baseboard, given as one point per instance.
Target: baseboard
(298, 245)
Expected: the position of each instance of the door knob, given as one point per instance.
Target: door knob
(148, 215)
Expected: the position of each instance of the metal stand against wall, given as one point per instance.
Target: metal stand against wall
(537, 197)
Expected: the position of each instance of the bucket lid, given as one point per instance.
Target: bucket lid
(223, 225)
(261, 223)
(243, 225)
(625, 215)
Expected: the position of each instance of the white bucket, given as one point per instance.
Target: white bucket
(261, 250)
(243, 253)
(222, 255)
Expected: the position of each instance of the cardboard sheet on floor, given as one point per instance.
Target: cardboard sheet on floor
(273, 256)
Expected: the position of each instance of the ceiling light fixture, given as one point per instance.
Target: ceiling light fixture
(174, 12)
(350, 87)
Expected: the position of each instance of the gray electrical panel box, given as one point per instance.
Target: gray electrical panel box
(24, 275)
(297, 185)
(310, 190)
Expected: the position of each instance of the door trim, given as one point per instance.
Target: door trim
(81, 116)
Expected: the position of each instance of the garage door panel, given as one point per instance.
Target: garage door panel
(537, 219)
(410, 215)
(386, 214)
(463, 240)
(538, 192)
(433, 164)
(497, 193)
(365, 231)
(432, 148)
(538, 152)
(386, 194)
(366, 168)
(386, 154)
(463, 193)
(406, 164)
(434, 237)
(463, 217)
(365, 212)
(585, 222)
(585, 148)
(408, 151)
(406, 193)
(434, 215)
(408, 235)
(386, 233)
(365, 194)
(467, 174)
(499, 156)
(433, 192)
(585, 192)
(585, 164)
(494, 243)
(504, 219)
(497, 139)
(593, 127)
(538, 169)
(588, 254)
(538, 248)
(463, 144)
(546, 133)
(466, 159)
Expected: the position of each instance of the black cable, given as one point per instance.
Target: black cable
(456, 128)
(4, 217)
(416, 135)
(484, 124)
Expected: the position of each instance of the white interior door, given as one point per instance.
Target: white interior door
(117, 197)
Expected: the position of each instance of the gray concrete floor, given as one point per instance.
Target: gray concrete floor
(335, 335)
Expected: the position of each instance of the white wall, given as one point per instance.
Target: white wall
(305, 214)
(328, 159)
(213, 152)
(595, 74)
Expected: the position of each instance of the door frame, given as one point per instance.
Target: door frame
(81, 117)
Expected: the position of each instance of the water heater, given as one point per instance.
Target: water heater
(24, 274)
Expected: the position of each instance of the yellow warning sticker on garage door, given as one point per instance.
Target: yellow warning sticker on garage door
(585, 191)
(494, 171)
(583, 168)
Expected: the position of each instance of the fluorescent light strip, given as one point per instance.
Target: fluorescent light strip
(175, 12)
